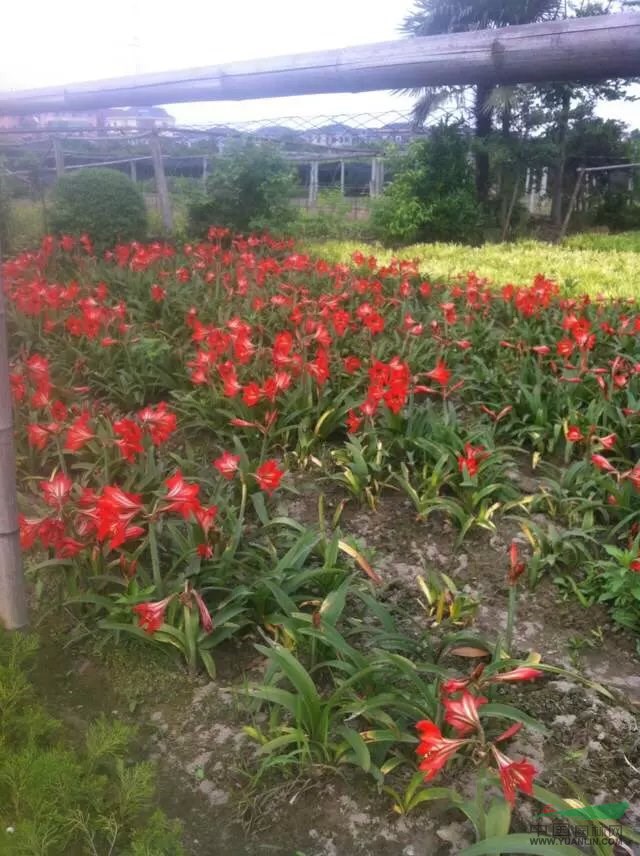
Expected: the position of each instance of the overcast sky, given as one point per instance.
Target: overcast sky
(45, 44)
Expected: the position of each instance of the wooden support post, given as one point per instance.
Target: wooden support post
(133, 171)
(205, 166)
(342, 177)
(377, 177)
(13, 598)
(59, 157)
(162, 188)
(314, 180)
(572, 204)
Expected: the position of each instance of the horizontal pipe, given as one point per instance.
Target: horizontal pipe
(594, 48)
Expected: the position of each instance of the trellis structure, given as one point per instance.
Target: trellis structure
(574, 49)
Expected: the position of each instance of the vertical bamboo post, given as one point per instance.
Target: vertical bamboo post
(342, 177)
(13, 598)
(162, 188)
(58, 155)
(572, 204)
(205, 168)
(133, 171)
(314, 173)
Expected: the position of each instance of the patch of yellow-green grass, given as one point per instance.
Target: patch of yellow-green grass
(613, 273)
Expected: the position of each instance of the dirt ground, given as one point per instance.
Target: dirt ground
(194, 728)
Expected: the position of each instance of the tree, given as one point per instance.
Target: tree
(433, 17)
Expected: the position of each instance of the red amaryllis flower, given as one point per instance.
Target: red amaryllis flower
(434, 749)
(114, 513)
(541, 350)
(440, 374)
(56, 490)
(633, 476)
(520, 673)
(574, 434)
(602, 463)
(635, 566)
(130, 442)
(352, 364)
(38, 436)
(462, 713)
(516, 567)
(353, 422)
(470, 461)
(206, 621)
(268, 476)
(158, 293)
(227, 465)
(206, 517)
(78, 434)
(183, 497)
(608, 442)
(514, 775)
(160, 422)
(151, 614)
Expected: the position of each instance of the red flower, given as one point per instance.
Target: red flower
(56, 490)
(206, 621)
(158, 293)
(206, 517)
(609, 441)
(516, 567)
(151, 614)
(462, 713)
(38, 435)
(434, 749)
(114, 512)
(440, 374)
(514, 775)
(353, 422)
(269, 476)
(352, 364)
(78, 434)
(251, 394)
(160, 422)
(470, 461)
(520, 673)
(183, 497)
(227, 465)
(602, 464)
(130, 442)
(574, 434)
(541, 350)
(635, 566)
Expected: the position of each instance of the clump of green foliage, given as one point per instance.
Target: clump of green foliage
(249, 189)
(432, 196)
(58, 798)
(104, 203)
(618, 212)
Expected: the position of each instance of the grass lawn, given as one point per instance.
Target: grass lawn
(596, 264)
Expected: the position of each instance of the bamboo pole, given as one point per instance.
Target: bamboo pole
(572, 205)
(590, 48)
(162, 188)
(58, 154)
(13, 598)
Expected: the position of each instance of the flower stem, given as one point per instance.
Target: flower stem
(511, 616)
(155, 560)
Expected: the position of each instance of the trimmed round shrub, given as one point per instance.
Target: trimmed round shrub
(104, 203)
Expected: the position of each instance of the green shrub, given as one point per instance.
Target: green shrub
(56, 798)
(104, 203)
(331, 219)
(618, 213)
(432, 196)
(249, 189)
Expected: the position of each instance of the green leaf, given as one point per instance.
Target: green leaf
(509, 712)
(360, 748)
(498, 819)
(521, 844)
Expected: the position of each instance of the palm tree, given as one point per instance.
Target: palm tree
(433, 17)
